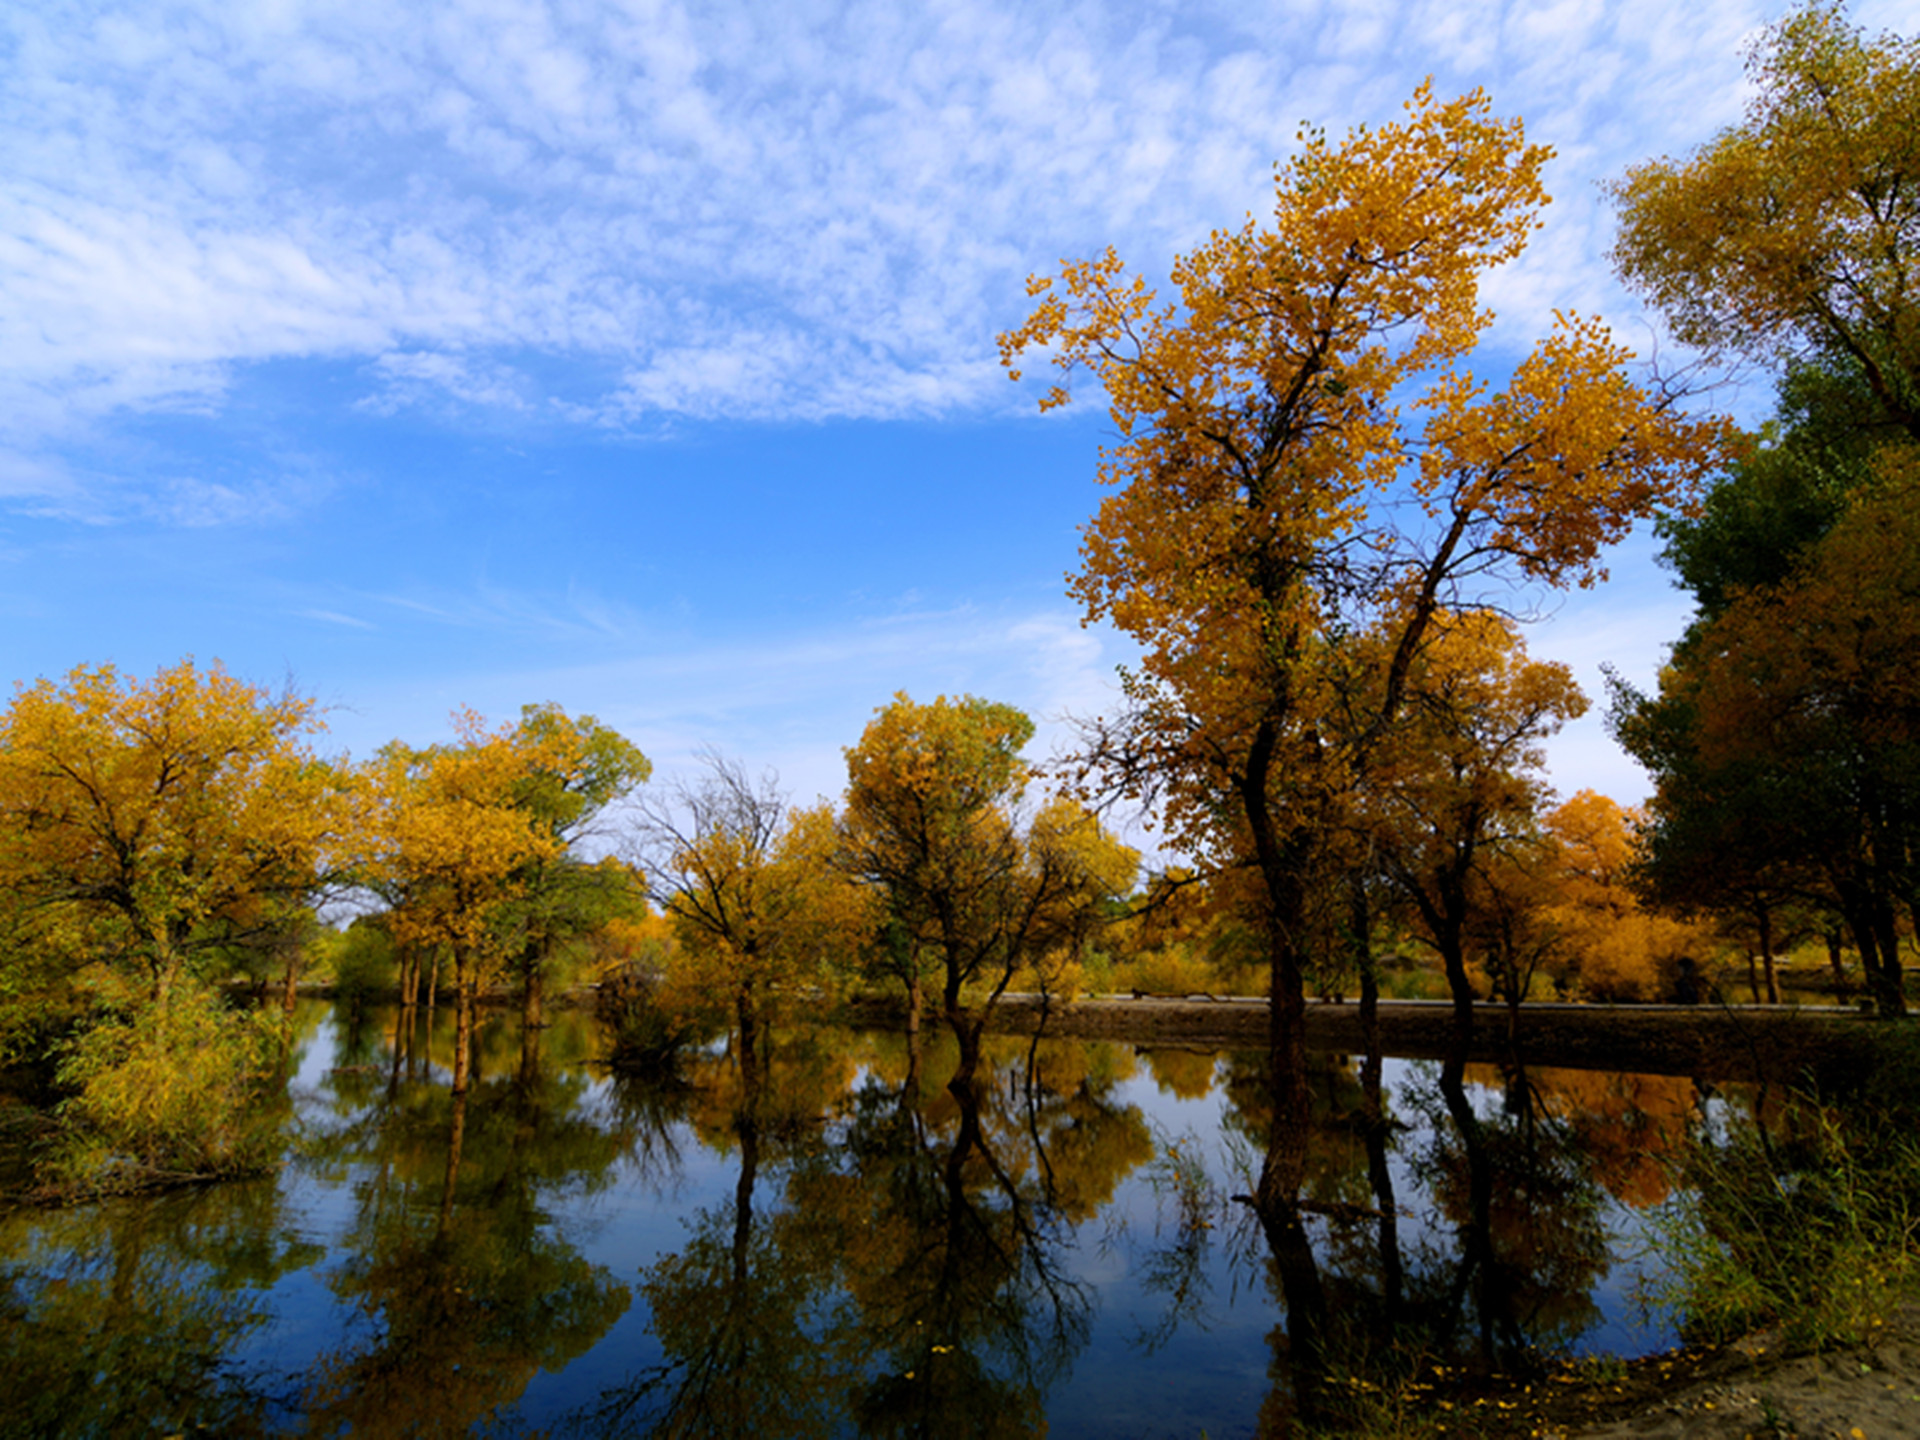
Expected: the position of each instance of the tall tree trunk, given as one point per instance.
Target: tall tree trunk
(463, 1005)
(1892, 986)
(1284, 1168)
(1283, 865)
(747, 1013)
(1841, 989)
(1764, 913)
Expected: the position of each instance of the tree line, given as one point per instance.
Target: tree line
(1323, 533)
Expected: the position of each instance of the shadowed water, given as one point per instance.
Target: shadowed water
(831, 1241)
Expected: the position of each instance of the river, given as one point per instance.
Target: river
(832, 1242)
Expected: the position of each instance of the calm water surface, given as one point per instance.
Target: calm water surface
(840, 1245)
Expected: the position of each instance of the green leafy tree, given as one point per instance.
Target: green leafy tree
(1803, 699)
(581, 768)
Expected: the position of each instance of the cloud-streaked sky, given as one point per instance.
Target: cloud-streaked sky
(640, 357)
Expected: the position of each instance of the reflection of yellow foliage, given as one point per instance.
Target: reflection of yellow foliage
(1184, 1074)
(1629, 1125)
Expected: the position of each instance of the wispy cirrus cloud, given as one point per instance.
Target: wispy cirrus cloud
(790, 701)
(735, 209)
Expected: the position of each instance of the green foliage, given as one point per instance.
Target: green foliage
(365, 960)
(1765, 512)
(165, 1092)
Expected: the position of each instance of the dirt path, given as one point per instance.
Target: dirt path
(1749, 1390)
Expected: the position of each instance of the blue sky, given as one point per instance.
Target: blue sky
(640, 356)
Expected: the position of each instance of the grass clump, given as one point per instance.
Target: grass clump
(1807, 1219)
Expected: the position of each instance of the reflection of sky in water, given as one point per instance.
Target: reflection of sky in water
(1209, 1372)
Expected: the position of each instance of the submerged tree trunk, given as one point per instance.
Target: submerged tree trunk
(1479, 1267)
(455, 1141)
(433, 992)
(532, 1021)
(1373, 1113)
(290, 989)
(533, 1015)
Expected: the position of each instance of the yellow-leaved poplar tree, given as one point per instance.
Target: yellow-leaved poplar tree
(1615, 947)
(147, 823)
(756, 903)
(933, 821)
(1303, 455)
(453, 844)
(1798, 229)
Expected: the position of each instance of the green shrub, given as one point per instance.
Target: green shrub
(1096, 973)
(169, 1091)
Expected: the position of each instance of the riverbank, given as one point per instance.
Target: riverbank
(1751, 1388)
(1727, 1042)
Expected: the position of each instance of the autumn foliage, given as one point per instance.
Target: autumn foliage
(144, 824)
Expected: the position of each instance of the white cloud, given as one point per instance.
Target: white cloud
(429, 377)
(334, 617)
(790, 700)
(740, 209)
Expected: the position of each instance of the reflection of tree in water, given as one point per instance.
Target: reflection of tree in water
(1631, 1127)
(955, 1218)
(739, 1310)
(454, 1257)
(1507, 1272)
(121, 1318)
(907, 1278)
(1520, 1188)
